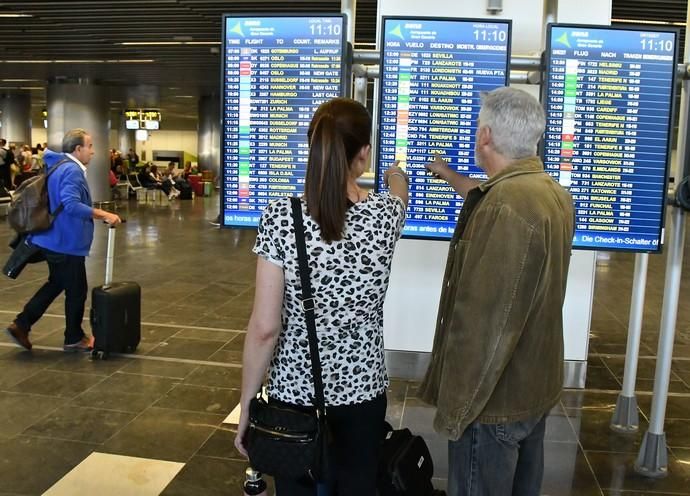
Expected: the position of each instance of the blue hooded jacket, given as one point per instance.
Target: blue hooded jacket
(72, 230)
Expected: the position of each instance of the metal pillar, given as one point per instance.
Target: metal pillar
(625, 417)
(208, 139)
(360, 93)
(652, 460)
(82, 104)
(494, 7)
(16, 118)
(550, 16)
(349, 8)
(125, 138)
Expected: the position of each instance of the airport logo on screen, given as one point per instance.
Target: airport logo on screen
(609, 103)
(276, 72)
(432, 73)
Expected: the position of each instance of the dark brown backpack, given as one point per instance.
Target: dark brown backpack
(30, 207)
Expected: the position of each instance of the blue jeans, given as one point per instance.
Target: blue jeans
(498, 459)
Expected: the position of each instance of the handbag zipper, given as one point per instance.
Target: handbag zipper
(295, 437)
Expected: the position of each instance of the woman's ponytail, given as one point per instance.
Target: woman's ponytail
(326, 180)
(338, 131)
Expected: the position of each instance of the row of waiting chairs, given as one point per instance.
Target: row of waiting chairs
(130, 182)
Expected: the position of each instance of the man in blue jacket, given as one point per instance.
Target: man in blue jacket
(66, 244)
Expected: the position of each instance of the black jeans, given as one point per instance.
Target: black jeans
(357, 434)
(66, 273)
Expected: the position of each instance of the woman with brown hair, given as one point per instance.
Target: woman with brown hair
(350, 236)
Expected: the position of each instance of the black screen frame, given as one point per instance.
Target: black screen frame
(345, 60)
(672, 114)
(378, 169)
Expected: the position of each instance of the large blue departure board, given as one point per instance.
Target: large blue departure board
(432, 74)
(609, 98)
(276, 72)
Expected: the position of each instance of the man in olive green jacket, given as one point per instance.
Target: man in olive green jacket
(497, 363)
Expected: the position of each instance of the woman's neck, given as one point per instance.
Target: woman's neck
(354, 192)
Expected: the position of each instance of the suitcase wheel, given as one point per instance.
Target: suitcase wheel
(99, 355)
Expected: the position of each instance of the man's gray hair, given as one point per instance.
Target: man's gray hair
(72, 139)
(516, 120)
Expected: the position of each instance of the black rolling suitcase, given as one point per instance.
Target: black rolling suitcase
(115, 311)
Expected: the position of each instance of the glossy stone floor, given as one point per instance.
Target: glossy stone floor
(161, 422)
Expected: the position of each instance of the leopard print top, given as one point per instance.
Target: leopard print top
(349, 282)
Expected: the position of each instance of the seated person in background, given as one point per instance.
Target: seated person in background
(27, 158)
(156, 180)
(112, 178)
(14, 166)
(38, 156)
(143, 176)
(187, 169)
(172, 175)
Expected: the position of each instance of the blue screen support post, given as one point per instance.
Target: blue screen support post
(433, 71)
(609, 101)
(276, 72)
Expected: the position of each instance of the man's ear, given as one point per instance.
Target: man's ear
(484, 137)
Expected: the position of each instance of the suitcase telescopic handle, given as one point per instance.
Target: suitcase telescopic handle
(109, 255)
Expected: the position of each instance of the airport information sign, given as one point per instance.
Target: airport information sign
(276, 72)
(432, 74)
(609, 98)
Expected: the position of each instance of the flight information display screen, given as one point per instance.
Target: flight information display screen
(609, 98)
(276, 72)
(432, 74)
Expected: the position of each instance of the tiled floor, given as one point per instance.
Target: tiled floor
(163, 420)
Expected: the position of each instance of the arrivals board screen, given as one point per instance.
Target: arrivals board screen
(609, 98)
(276, 72)
(432, 74)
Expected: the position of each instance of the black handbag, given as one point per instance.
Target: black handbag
(24, 252)
(283, 441)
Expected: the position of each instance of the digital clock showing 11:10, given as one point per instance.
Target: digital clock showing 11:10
(489, 35)
(325, 29)
(657, 45)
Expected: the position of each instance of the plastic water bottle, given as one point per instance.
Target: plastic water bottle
(254, 485)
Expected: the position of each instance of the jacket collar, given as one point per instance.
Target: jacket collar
(76, 161)
(529, 165)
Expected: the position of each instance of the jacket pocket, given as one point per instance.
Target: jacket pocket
(516, 432)
(452, 278)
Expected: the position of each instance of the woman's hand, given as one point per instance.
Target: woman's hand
(242, 433)
(394, 170)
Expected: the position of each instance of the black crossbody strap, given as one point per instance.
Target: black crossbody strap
(308, 304)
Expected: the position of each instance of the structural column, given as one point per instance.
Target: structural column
(208, 142)
(16, 118)
(82, 104)
(125, 138)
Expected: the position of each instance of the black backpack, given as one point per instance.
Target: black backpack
(30, 207)
(185, 190)
(405, 465)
